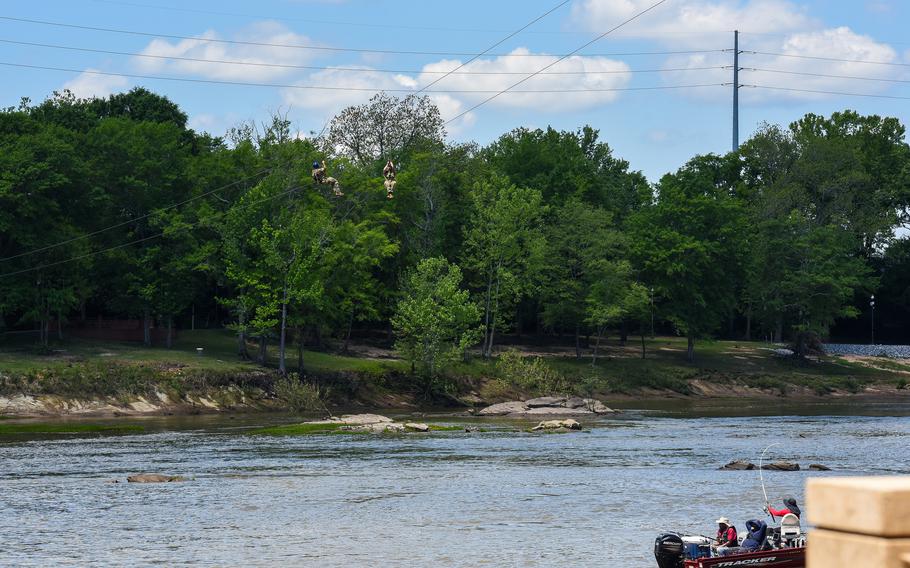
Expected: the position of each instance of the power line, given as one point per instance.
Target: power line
(384, 26)
(130, 221)
(821, 92)
(329, 87)
(340, 49)
(141, 240)
(346, 69)
(805, 73)
(598, 38)
(497, 44)
(819, 58)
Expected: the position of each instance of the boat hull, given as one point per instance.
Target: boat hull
(781, 558)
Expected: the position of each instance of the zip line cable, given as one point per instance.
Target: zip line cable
(822, 92)
(340, 49)
(331, 88)
(820, 58)
(143, 239)
(497, 44)
(149, 214)
(331, 68)
(541, 70)
(805, 73)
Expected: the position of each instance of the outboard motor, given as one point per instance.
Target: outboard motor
(669, 550)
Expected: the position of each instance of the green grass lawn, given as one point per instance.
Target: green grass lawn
(219, 354)
(619, 368)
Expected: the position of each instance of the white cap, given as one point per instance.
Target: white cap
(723, 521)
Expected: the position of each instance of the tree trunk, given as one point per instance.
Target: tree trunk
(263, 350)
(282, 368)
(778, 330)
(46, 324)
(59, 326)
(299, 351)
(596, 347)
(642, 344)
(486, 316)
(494, 310)
(241, 335)
(577, 341)
(623, 333)
(690, 349)
(347, 337)
(749, 321)
(241, 344)
(146, 329)
(170, 332)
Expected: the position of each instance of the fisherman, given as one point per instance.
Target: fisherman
(320, 177)
(388, 172)
(727, 539)
(755, 540)
(792, 508)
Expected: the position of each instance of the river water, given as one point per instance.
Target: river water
(498, 498)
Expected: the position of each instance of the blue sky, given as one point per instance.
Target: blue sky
(655, 130)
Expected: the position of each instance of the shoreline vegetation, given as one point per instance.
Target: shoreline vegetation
(116, 379)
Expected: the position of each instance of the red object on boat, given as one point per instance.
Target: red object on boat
(779, 558)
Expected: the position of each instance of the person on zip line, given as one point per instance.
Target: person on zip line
(320, 177)
(388, 172)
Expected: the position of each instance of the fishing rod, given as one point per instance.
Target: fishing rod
(762, 478)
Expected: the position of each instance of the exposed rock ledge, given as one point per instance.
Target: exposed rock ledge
(374, 423)
(548, 406)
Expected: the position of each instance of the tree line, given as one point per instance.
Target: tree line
(115, 206)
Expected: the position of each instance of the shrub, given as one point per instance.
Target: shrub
(298, 395)
(530, 373)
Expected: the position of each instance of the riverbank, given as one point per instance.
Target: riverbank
(202, 373)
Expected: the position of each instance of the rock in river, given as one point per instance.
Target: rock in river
(738, 465)
(154, 478)
(818, 467)
(417, 427)
(567, 424)
(781, 466)
(548, 406)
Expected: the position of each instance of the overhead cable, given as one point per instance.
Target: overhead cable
(825, 75)
(133, 220)
(341, 49)
(823, 92)
(820, 58)
(495, 45)
(454, 71)
(330, 87)
(541, 70)
(140, 240)
(385, 25)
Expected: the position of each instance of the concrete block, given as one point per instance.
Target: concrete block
(877, 506)
(832, 549)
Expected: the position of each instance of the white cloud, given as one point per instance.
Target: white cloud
(90, 84)
(487, 79)
(261, 32)
(685, 21)
(771, 26)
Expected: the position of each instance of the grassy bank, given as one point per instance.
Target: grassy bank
(722, 368)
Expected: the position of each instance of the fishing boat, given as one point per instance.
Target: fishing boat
(673, 550)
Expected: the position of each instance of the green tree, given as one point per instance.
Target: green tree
(504, 248)
(580, 241)
(435, 321)
(688, 244)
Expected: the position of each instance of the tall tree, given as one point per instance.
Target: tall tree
(504, 248)
(688, 245)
